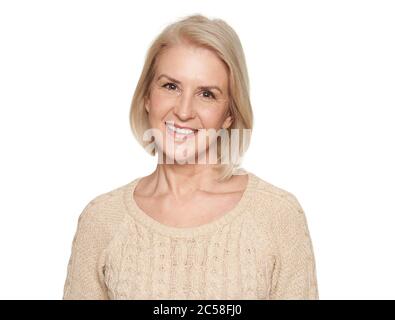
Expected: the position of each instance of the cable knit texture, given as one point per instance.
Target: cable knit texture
(261, 249)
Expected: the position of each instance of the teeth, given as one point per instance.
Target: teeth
(179, 130)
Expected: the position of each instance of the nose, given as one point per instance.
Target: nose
(184, 107)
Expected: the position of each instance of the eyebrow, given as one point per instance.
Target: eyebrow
(179, 82)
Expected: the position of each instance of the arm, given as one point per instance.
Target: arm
(294, 275)
(85, 270)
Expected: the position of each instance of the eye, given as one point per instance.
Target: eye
(208, 94)
(170, 86)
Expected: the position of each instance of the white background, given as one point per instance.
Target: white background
(322, 79)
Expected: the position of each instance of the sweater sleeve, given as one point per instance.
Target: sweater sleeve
(294, 276)
(85, 269)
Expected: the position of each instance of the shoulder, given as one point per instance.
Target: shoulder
(267, 193)
(104, 212)
(278, 214)
(274, 203)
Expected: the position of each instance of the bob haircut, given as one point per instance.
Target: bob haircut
(218, 36)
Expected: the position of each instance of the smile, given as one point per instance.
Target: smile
(180, 132)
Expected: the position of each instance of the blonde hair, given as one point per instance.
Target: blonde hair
(218, 36)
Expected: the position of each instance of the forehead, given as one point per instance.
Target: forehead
(188, 63)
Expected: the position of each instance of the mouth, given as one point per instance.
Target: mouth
(178, 132)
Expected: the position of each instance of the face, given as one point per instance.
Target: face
(189, 90)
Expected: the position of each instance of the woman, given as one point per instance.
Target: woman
(194, 228)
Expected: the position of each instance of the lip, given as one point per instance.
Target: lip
(180, 127)
(180, 136)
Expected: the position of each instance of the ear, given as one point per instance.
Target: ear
(146, 104)
(227, 122)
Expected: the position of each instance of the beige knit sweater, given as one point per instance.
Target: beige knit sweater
(261, 249)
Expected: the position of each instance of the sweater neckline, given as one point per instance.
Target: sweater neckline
(187, 232)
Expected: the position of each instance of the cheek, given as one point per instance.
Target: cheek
(160, 105)
(211, 117)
